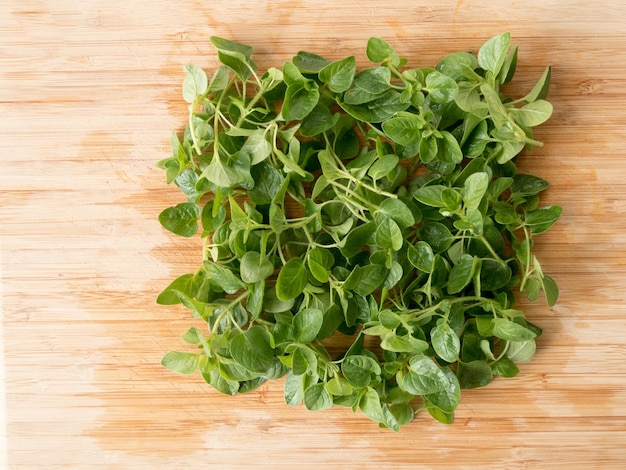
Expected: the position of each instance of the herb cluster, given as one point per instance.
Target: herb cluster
(382, 205)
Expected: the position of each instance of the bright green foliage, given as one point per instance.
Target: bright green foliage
(381, 203)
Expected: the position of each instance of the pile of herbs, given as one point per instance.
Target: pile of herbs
(381, 207)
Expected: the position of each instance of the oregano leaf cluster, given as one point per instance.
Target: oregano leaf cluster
(380, 205)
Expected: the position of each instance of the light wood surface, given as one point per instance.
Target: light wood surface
(89, 93)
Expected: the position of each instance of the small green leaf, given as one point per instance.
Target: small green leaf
(182, 219)
(292, 279)
(253, 269)
(492, 54)
(307, 62)
(551, 290)
(357, 238)
(389, 235)
(474, 374)
(448, 398)
(307, 324)
(251, 349)
(511, 331)
(437, 235)
(421, 256)
(540, 90)
(222, 277)
(461, 274)
(424, 377)
(316, 397)
(474, 189)
(505, 367)
(181, 362)
(533, 114)
(445, 342)
(195, 83)
(398, 211)
(187, 284)
(540, 220)
(339, 75)
(383, 166)
(521, 351)
(358, 370)
(300, 99)
(379, 51)
(441, 88)
(320, 261)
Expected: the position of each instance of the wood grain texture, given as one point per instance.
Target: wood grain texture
(89, 93)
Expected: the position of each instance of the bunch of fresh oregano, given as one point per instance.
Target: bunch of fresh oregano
(383, 206)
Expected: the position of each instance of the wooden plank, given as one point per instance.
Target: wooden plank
(89, 94)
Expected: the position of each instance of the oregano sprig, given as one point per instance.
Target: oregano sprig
(382, 203)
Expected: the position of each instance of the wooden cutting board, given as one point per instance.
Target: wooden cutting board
(89, 94)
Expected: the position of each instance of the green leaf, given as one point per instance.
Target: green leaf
(268, 181)
(449, 149)
(540, 220)
(220, 383)
(383, 166)
(358, 370)
(251, 349)
(307, 324)
(445, 342)
(474, 189)
(551, 290)
(308, 63)
(431, 195)
(533, 114)
(511, 331)
(374, 80)
(258, 147)
(461, 274)
(195, 83)
(316, 397)
(370, 405)
(379, 51)
(292, 279)
(437, 235)
(389, 235)
(300, 99)
(357, 238)
(421, 256)
(187, 284)
(294, 389)
(521, 351)
(424, 377)
(339, 75)
(235, 56)
(404, 129)
(494, 275)
(212, 217)
(398, 211)
(441, 88)
(474, 374)
(320, 261)
(505, 367)
(492, 54)
(319, 120)
(540, 90)
(428, 148)
(253, 269)
(181, 362)
(182, 219)
(222, 277)
(525, 185)
(448, 398)
(220, 174)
